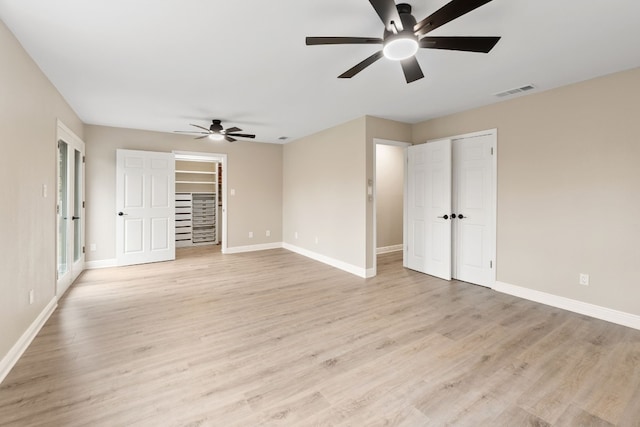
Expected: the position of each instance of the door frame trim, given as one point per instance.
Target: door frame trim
(64, 133)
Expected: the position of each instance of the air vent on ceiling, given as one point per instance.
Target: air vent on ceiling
(515, 91)
(283, 138)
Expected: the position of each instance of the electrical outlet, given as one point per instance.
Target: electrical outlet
(584, 279)
(295, 235)
(268, 233)
(251, 234)
(31, 296)
(44, 190)
(92, 247)
(316, 240)
(232, 191)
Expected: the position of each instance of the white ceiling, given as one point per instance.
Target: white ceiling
(162, 64)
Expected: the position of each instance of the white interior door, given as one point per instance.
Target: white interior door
(428, 204)
(145, 207)
(474, 209)
(69, 209)
(415, 209)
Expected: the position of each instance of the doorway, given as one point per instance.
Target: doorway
(389, 161)
(219, 181)
(69, 208)
(450, 208)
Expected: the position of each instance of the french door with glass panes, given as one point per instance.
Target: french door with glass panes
(69, 209)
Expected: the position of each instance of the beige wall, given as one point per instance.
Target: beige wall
(29, 107)
(325, 192)
(325, 189)
(568, 187)
(389, 195)
(254, 171)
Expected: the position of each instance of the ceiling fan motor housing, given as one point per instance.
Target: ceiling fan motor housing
(216, 126)
(407, 20)
(401, 44)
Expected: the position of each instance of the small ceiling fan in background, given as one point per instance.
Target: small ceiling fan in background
(403, 36)
(217, 133)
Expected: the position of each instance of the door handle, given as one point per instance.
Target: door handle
(453, 216)
(75, 217)
(121, 213)
(445, 217)
(461, 216)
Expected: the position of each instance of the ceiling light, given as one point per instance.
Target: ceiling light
(216, 137)
(401, 46)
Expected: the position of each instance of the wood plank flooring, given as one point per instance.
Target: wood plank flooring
(274, 339)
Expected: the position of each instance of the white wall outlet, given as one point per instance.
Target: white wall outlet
(44, 190)
(295, 235)
(232, 191)
(316, 240)
(92, 247)
(584, 279)
(251, 234)
(268, 233)
(31, 296)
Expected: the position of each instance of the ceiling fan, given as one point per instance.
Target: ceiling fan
(403, 35)
(217, 133)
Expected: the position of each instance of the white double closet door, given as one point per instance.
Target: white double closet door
(450, 208)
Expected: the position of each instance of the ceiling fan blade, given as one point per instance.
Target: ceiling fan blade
(447, 13)
(388, 12)
(241, 135)
(361, 66)
(312, 41)
(412, 70)
(190, 131)
(202, 137)
(233, 129)
(228, 138)
(467, 44)
(207, 129)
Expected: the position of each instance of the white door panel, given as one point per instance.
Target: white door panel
(145, 205)
(474, 199)
(428, 202)
(438, 209)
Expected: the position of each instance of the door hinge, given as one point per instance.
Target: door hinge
(492, 151)
(83, 249)
(83, 203)
(84, 157)
(58, 209)
(490, 264)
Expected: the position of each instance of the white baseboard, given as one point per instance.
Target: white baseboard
(102, 263)
(349, 268)
(388, 249)
(596, 311)
(252, 248)
(11, 358)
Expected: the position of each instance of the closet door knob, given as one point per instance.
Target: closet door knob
(75, 217)
(453, 216)
(461, 216)
(445, 217)
(121, 213)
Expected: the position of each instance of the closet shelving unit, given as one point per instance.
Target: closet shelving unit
(196, 203)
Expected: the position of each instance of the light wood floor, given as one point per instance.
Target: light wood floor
(274, 339)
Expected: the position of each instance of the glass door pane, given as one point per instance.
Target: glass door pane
(63, 166)
(77, 206)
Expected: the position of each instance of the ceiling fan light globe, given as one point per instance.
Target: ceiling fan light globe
(400, 47)
(216, 137)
